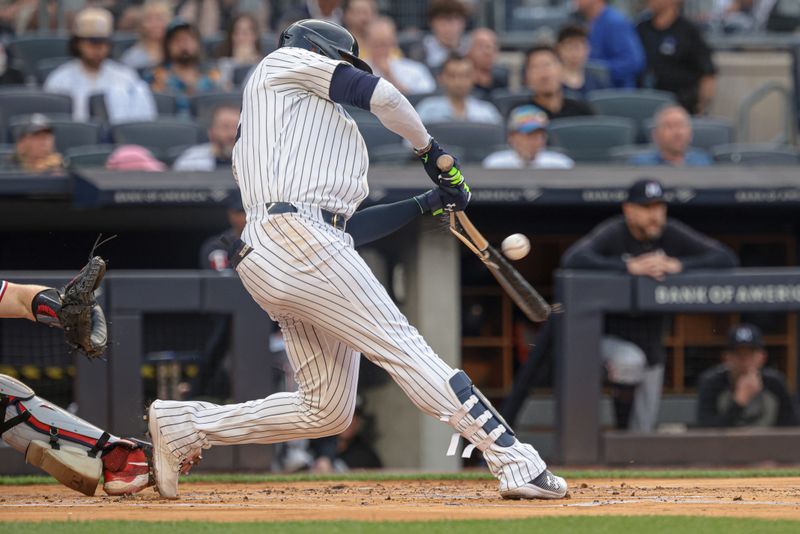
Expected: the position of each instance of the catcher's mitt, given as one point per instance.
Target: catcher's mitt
(75, 309)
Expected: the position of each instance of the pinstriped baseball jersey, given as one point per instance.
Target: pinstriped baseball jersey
(295, 144)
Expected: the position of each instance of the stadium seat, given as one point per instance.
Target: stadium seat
(506, 100)
(45, 66)
(27, 101)
(241, 74)
(621, 154)
(68, 133)
(756, 154)
(533, 18)
(600, 72)
(165, 106)
(122, 41)
(707, 132)
(419, 97)
(158, 136)
(397, 154)
(377, 135)
(31, 48)
(591, 138)
(269, 42)
(639, 105)
(212, 43)
(88, 156)
(478, 140)
(203, 105)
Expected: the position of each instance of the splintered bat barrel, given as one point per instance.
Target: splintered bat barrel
(521, 292)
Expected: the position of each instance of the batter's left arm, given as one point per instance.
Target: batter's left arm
(375, 222)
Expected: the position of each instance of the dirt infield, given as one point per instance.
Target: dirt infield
(768, 498)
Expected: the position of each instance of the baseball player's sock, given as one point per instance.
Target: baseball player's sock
(176, 445)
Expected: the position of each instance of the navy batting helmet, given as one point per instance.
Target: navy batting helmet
(326, 38)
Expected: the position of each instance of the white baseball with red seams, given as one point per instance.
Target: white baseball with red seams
(299, 146)
(516, 246)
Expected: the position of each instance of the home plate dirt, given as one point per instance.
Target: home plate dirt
(768, 498)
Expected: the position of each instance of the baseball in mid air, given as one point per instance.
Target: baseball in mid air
(516, 246)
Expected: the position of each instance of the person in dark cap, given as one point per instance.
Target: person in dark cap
(183, 73)
(642, 241)
(35, 147)
(213, 252)
(740, 391)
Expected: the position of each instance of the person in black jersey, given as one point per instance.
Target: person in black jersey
(642, 242)
(740, 391)
(678, 58)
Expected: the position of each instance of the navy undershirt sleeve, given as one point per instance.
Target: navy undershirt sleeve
(375, 222)
(352, 86)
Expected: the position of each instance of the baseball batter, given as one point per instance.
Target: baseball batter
(301, 165)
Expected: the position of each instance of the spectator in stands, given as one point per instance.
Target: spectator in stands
(127, 98)
(133, 158)
(678, 58)
(8, 74)
(742, 16)
(613, 41)
(740, 392)
(483, 50)
(672, 135)
(149, 49)
(241, 47)
(217, 152)
(213, 252)
(409, 76)
(543, 76)
(35, 149)
(357, 17)
(182, 73)
(447, 20)
(330, 10)
(208, 17)
(527, 136)
(456, 79)
(642, 241)
(572, 46)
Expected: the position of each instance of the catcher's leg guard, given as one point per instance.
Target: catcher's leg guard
(52, 439)
(69, 465)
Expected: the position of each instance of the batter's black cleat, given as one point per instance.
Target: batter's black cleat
(545, 486)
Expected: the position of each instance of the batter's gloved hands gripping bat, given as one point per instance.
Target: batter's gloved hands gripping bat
(452, 192)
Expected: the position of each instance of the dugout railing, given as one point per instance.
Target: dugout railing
(586, 297)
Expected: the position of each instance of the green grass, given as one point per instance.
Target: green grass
(559, 525)
(377, 476)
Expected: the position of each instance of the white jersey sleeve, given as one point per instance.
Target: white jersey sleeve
(296, 69)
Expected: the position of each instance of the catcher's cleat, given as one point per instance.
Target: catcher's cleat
(132, 478)
(166, 466)
(545, 486)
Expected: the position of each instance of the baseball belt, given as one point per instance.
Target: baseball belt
(336, 220)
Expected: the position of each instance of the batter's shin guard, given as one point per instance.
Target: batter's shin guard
(476, 420)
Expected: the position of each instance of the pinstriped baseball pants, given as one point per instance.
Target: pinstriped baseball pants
(331, 308)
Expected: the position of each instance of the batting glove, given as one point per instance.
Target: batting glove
(429, 156)
(444, 199)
